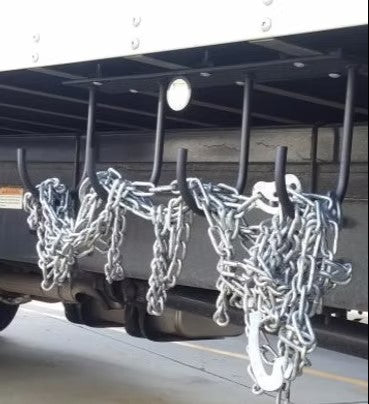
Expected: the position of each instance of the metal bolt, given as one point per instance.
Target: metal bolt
(36, 38)
(35, 57)
(268, 2)
(137, 21)
(266, 24)
(135, 43)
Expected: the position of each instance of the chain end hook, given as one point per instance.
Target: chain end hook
(274, 381)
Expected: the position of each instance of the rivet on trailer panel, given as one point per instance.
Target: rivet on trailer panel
(136, 21)
(266, 24)
(135, 43)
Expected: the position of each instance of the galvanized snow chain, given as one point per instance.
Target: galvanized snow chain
(290, 269)
(287, 268)
(63, 239)
(172, 228)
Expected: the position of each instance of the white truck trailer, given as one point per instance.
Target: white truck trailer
(86, 84)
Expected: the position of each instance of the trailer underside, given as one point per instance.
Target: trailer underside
(300, 86)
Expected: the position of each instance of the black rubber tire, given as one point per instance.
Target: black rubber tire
(74, 313)
(7, 314)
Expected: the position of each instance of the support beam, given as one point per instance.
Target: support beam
(39, 124)
(286, 48)
(276, 91)
(307, 98)
(70, 116)
(99, 105)
(265, 117)
(172, 66)
(148, 60)
(9, 129)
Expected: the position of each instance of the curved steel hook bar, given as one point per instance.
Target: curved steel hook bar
(159, 137)
(267, 382)
(348, 132)
(90, 159)
(23, 173)
(182, 182)
(245, 136)
(90, 169)
(77, 163)
(244, 153)
(280, 181)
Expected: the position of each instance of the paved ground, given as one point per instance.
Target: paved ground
(45, 360)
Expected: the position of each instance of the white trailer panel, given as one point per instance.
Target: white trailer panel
(39, 33)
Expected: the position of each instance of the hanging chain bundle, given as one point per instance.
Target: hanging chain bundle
(62, 238)
(277, 272)
(287, 267)
(101, 226)
(172, 230)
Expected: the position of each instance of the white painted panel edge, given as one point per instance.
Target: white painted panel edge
(38, 33)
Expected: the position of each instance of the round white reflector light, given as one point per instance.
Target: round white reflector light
(179, 94)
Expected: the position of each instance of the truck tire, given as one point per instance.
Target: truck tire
(7, 314)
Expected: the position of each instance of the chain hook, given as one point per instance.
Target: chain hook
(160, 136)
(23, 172)
(26, 179)
(270, 383)
(348, 133)
(90, 159)
(280, 181)
(243, 159)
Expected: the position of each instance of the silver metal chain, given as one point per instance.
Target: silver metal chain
(277, 272)
(286, 268)
(172, 228)
(63, 239)
(101, 226)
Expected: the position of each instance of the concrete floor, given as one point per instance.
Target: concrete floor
(45, 360)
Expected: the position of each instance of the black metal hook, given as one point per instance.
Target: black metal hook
(182, 182)
(348, 133)
(91, 150)
(347, 139)
(346, 152)
(245, 136)
(244, 153)
(160, 136)
(26, 179)
(90, 159)
(280, 181)
(23, 172)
